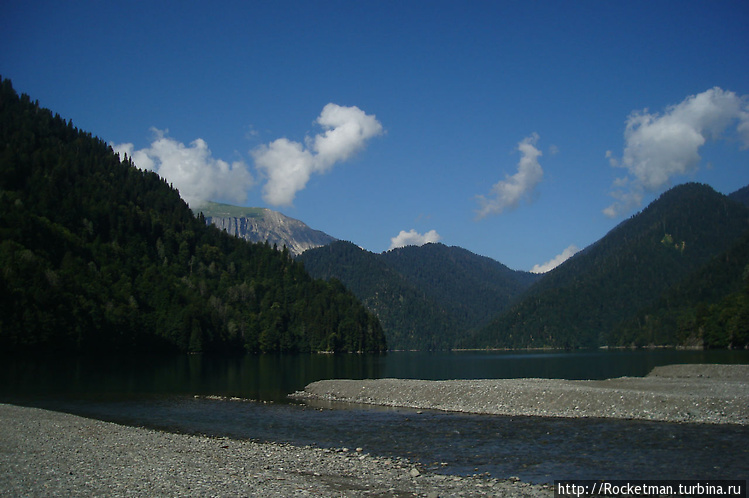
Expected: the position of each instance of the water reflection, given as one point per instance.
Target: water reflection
(273, 377)
(257, 377)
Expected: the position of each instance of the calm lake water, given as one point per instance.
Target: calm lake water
(169, 393)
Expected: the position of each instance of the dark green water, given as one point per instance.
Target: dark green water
(273, 377)
(161, 393)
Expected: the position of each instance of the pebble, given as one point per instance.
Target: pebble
(48, 453)
(713, 394)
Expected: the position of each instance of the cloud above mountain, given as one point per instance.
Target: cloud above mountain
(659, 147)
(556, 260)
(413, 238)
(191, 169)
(507, 193)
(287, 165)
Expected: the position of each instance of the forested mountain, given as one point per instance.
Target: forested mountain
(472, 288)
(97, 255)
(581, 302)
(426, 297)
(741, 195)
(710, 308)
(262, 224)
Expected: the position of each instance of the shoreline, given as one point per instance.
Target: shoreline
(46, 453)
(694, 393)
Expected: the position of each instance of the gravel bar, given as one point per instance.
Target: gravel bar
(715, 394)
(45, 453)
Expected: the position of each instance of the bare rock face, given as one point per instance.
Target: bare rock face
(261, 224)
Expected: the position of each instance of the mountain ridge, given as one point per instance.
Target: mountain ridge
(577, 303)
(425, 296)
(264, 225)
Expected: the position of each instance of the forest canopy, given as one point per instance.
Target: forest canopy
(98, 255)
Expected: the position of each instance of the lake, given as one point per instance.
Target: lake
(192, 394)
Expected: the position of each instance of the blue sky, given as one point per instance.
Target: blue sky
(517, 130)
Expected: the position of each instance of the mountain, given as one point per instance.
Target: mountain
(426, 297)
(741, 195)
(471, 287)
(100, 256)
(581, 302)
(261, 225)
(709, 308)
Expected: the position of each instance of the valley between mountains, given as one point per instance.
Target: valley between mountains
(101, 256)
(675, 274)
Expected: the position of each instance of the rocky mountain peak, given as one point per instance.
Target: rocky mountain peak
(262, 224)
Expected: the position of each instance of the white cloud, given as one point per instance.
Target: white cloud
(506, 193)
(659, 147)
(413, 238)
(197, 175)
(556, 261)
(288, 165)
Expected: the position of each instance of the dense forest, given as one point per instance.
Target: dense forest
(675, 274)
(426, 297)
(97, 255)
(655, 261)
(710, 308)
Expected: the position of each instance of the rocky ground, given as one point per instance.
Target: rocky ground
(44, 453)
(673, 393)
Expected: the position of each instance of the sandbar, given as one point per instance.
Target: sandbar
(693, 393)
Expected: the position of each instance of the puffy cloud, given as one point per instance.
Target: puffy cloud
(288, 165)
(347, 131)
(413, 238)
(192, 169)
(556, 261)
(506, 194)
(661, 146)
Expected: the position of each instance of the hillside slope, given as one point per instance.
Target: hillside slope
(472, 288)
(581, 301)
(97, 255)
(426, 297)
(709, 308)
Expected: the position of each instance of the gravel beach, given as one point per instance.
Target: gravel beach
(716, 394)
(45, 453)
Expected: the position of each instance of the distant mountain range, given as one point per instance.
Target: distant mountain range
(99, 256)
(426, 297)
(261, 225)
(639, 285)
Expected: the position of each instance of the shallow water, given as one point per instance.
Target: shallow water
(170, 395)
(533, 448)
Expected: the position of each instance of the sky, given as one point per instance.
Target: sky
(521, 131)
